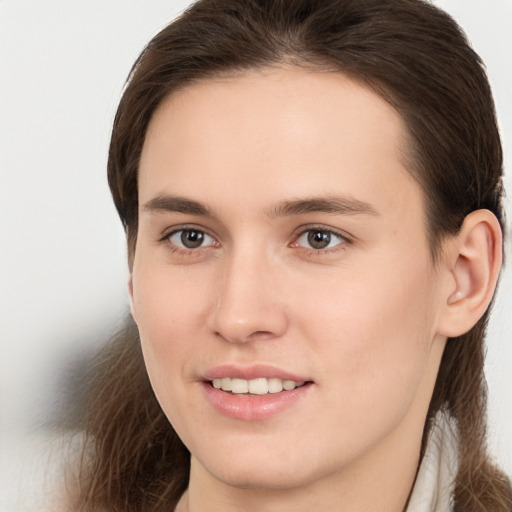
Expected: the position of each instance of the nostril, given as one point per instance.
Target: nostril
(241, 337)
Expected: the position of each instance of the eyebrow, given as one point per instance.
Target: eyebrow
(177, 204)
(338, 205)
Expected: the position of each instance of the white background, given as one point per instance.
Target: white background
(62, 257)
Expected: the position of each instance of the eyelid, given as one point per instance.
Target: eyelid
(171, 230)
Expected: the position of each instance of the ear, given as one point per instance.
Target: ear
(473, 264)
(130, 297)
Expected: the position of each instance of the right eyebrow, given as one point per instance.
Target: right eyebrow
(177, 204)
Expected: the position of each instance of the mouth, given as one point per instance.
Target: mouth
(255, 387)
(255, 394)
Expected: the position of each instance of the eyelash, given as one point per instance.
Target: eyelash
(304, 231)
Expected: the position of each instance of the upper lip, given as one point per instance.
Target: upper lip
(253, 371)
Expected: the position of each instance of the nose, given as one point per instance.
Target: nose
(249, 301)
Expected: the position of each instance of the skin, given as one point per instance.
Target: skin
(364, 319)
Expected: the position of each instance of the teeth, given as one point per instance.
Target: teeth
(275, 385)
(260, 386)
(239, 386)
(288, 385)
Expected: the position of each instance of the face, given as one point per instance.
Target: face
(282, 242)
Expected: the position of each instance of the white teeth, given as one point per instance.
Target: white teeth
(288, 385)
(259, 386)
(225, 384)
(239, 386)
(275, 385)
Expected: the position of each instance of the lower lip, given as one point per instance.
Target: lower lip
(253, 407)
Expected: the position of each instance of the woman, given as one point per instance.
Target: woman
(311, 193)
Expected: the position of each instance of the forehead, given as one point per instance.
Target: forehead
(276, 132)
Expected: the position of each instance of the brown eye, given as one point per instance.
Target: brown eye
(319, 239)
(191, 239)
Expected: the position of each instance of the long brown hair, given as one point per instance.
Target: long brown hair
(415, 57)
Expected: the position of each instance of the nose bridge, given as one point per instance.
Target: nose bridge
(248, 304)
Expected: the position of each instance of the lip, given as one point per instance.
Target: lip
(254, 371)
(253, 407)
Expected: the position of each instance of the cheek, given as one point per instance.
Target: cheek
(167, 302)
(170, 314)
(373, 332)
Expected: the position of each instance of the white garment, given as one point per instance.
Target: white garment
(432, 491)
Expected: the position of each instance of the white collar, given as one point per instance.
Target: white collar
(432, 491)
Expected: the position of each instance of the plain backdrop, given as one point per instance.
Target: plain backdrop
(62, 256)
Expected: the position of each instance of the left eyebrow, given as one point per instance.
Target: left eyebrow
(339, 205)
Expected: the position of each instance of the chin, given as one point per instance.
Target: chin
(268, 477)
(269, 467)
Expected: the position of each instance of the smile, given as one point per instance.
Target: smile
(255, 399)
(258, 386)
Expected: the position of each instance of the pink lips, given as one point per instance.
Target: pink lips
(252, 407)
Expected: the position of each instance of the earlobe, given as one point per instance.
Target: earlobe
(474, 262)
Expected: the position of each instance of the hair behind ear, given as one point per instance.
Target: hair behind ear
(462, 390)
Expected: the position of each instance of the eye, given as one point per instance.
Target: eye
(190, 239)
(319, 239)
